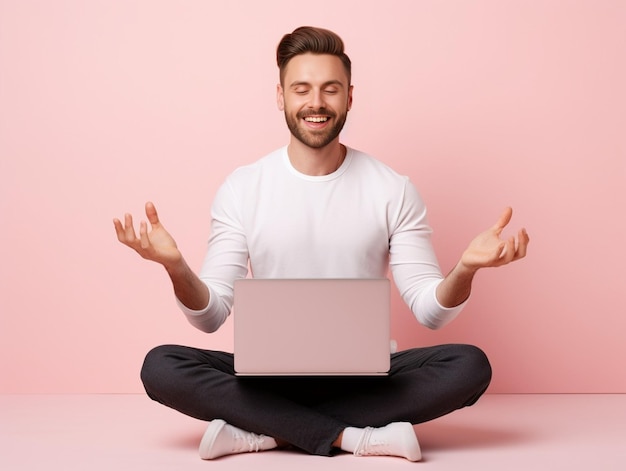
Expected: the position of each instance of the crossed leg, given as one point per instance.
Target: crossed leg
(312, 413)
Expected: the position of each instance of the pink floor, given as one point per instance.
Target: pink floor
(130, 432)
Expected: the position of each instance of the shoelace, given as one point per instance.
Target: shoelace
(252, 440)
(363, 448)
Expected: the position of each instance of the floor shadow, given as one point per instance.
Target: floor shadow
(432, 436)
(186, 441)
(191, 441)
(441, 436)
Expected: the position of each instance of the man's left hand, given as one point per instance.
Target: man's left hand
(489, 250)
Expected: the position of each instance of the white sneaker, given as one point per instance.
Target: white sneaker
(395, 439)
(222, 439)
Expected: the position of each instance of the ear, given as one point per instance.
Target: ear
(350, 97)
(280, 97)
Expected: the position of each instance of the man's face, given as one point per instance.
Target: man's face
(316, 97)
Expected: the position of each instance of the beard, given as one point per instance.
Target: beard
(315, 139)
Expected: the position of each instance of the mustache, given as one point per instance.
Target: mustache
(321, 111)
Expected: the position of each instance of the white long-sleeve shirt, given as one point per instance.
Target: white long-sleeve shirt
(353, 223)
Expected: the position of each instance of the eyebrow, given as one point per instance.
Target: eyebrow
(325, 84)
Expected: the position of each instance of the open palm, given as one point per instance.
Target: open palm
(489, 250)
(156, 245)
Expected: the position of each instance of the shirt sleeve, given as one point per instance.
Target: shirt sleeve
(413, 262)
(226, 260)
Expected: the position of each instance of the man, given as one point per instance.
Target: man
(318, 209)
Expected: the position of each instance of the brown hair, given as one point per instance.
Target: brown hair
(309, 39)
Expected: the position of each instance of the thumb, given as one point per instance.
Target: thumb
(505, 218)
(152, 215)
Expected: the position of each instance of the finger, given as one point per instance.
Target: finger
(143, 235)
(151, 213)
(507, 253)
(504, 219)
(129, 230)
(119, 230)
(510, 253)
(498, 254)
(522, 244)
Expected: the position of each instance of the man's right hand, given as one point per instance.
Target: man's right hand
(156, 245)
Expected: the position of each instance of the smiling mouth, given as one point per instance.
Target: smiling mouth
(316, 119)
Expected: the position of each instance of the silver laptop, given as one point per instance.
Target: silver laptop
(304, 327)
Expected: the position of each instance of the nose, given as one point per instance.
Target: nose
(317, 99)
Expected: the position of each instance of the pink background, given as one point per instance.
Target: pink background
(106, 104)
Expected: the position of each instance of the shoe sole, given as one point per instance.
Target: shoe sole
(209, 437)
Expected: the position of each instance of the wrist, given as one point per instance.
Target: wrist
(464, 270)
(176, 268)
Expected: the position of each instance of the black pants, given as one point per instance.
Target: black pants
(310, 413)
